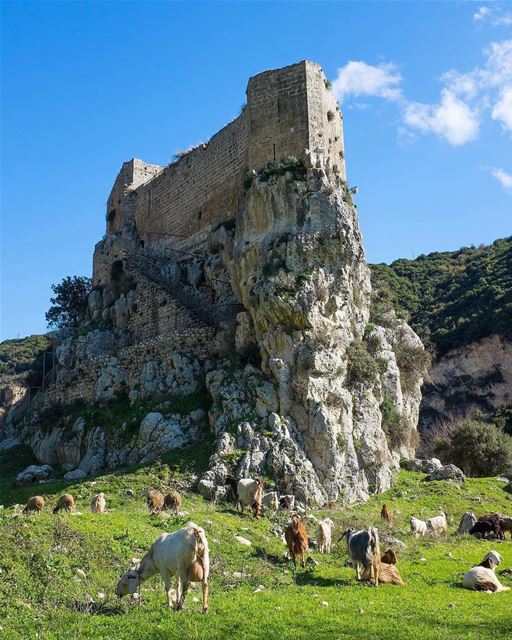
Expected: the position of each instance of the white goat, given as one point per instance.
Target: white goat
(324, 535)
(438, 525)
(418, 527)
(270, 501)
(183, 554)
(248, 493)
(482, 577)
(98, 503)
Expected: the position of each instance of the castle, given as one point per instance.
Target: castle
(288, 111)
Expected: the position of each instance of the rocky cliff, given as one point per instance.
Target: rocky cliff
(302, 388)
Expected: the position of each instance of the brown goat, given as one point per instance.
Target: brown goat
(297, 540)
(64, 503)
(386, 514)
(155, 501)
(34, 505)
(172, 501)
(389, 557)
(388, 574)
(506, 525)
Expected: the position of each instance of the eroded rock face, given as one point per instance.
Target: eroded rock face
(470, 380)
(312, 416)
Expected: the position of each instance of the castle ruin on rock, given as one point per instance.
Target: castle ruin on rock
(238, 272)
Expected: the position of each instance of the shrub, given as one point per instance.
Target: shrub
(69, 302)
(279, 168)
(503, 419)
(413, 362)
(478, 448)
(393, 424)
(362, 366)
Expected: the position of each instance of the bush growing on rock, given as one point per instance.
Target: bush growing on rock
(478, 448)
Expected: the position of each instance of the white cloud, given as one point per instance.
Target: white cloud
(481, 13)
(357, 78)
(504, 178)
(451, 119)
(502, 110)
(466, 98)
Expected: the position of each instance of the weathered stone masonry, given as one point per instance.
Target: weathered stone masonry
(288, 111)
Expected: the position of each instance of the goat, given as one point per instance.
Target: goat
(418, 527)
(386, 514)
(98, 503)
(183, 554)
(248, 492)
(287, 502)
(438, 525)
(34, 505)
(297, 540)
(172, 501)
(155, 501)
(482, 576)
(506, 525)
(270, 501)
(324, 535)
(486, 529)
(364, 550)
(65, 502)
(388, 574)
(389, 557)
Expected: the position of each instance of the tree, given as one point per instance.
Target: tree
(478, 448)
(69, 302)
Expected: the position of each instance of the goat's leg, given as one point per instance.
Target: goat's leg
(178, 591)
(205, 596)
(184, 591)
(167, 584)
(358, 572)
(302, 560)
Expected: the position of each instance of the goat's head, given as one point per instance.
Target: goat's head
(128, 583)
(494, 558)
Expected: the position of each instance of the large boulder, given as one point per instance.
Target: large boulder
(422, 465)
(34, 474)
(76, 474)
(448, 472)
(467, 522)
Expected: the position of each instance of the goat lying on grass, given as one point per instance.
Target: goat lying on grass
(482, 577)
(183, 554)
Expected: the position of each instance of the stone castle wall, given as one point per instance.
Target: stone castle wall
(288, 110)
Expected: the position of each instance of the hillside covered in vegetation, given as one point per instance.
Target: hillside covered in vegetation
(17, 356)
(59, 571)
(450, 298)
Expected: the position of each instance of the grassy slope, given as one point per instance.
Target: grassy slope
(41, 596)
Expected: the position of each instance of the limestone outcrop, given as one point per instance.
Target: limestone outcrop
(328, 391)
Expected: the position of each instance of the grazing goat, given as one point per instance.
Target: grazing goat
(482, 577)
(98, 504)
(438, 525)
(418, 527)
(297, 540)
(506, 525)
(487, 529)
(270, 501)
(248, 492)
(172, 501)
(65, 503)
(386, 514)
(389, 557)
(364, 550)
(388, 574)
(155, 501)
(34, 505)
(183, 554)
(324, 535)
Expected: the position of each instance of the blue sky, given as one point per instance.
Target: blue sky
(426, 92)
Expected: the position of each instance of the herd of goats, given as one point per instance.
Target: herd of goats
(184, 554)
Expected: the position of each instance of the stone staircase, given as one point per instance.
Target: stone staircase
(214, 315)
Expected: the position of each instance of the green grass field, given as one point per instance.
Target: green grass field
(42, 597)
